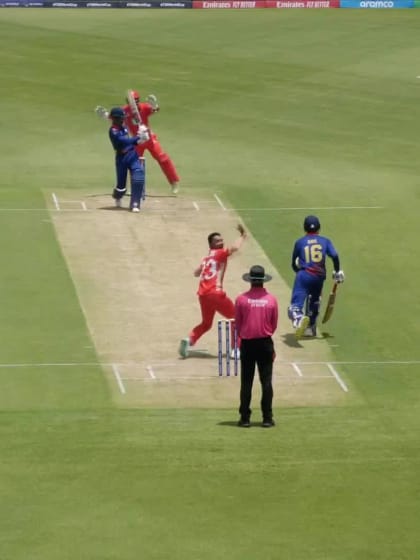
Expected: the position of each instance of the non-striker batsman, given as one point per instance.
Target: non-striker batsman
(309, 262)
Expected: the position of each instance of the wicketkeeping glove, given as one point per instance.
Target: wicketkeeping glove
(338, 276)
(152, 99)
(101, 112)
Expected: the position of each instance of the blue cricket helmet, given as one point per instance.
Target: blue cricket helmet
(311, 224)
(116, 113)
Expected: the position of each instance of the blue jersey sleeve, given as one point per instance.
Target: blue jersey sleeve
(120, 139)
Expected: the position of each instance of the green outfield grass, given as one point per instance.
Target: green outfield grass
(289, 112)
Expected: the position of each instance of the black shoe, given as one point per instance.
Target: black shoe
(268, 423)
(244, 423)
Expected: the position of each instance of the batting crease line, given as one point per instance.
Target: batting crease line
(55, 199)
(337, 378)
(118, 378)
(201, 377)
(219, 202)
(151, 372)
(357, 461)
(297, 369)
(140, 364)
(175, 210)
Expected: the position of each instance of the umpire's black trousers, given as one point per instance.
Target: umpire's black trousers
(260, 352)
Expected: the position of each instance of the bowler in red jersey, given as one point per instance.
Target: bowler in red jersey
(211, 295)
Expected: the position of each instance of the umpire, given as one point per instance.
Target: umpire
(256, 316)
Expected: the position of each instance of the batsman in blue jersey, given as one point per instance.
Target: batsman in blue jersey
(126, 160)
(309, 263)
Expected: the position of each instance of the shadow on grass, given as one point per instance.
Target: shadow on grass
(234, 424)
(290, 340)
(230, 423)
(327, 335)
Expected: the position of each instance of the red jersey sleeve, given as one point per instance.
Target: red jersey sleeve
(145, 111)
(213, 268)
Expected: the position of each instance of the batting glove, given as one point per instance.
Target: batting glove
(143, 136)
(338, 276)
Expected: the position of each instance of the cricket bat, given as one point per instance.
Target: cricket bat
(330, 304)
(133, 106)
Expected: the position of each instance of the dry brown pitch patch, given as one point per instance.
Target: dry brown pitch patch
(133, 276)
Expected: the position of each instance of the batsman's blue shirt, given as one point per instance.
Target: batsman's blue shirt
(310, 252)
(121, 141)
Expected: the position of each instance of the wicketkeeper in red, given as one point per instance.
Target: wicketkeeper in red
(146, 109)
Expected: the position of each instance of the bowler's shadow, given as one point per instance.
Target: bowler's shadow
(200, 354)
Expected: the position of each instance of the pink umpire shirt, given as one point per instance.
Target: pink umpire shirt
(256, 314)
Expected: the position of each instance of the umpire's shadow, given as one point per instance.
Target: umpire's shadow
(231, 423)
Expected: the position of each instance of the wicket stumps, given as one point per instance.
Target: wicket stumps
(227, 326)
(143, 161)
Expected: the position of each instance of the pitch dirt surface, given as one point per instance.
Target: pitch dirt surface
(133, 276)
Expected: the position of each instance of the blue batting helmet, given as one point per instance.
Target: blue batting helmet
(311, 224)
(116, 113)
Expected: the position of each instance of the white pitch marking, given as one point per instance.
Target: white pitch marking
(55, 200)
(279, 378)
(219, 202)
(177, 210)
(52, 364)
(151, 372)
(297, 369)
(177, 378)
(176, 364)
(286, 209)
(83, 203)
(366, 363)
(337, 377)
(118, 378)
(196, 206)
